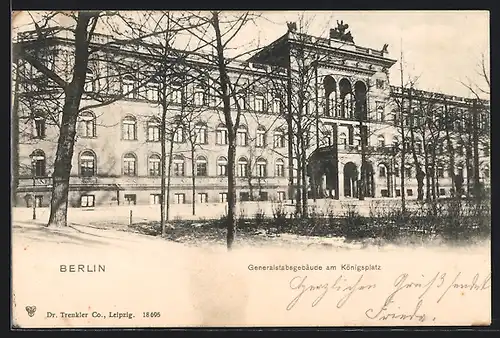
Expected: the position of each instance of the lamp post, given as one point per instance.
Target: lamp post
(33, 172)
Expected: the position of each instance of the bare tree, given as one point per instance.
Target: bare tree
(85, 47)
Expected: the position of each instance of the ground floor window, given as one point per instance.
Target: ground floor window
(244, 196)
(384, 193)
(442, 192)
(281, 196)
(130, 199)
(202, 197)
(180, 198)
(263, 196)
(155, 199)
(398, 192)
(87, 201)
(38, 201)
(223, 197)
(409, 192)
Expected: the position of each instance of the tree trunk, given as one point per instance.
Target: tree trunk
(169, 176)
(163, 139)
(231, 196)
(193, 179)
(65, 144)
(475, 147)
(304, 178)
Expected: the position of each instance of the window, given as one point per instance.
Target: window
(130, 199)
(280, 168)
(486, 149)
(202, 197)
(380, 111)
(276, 105)
(87, 124)
(380, 84)
(179, 198)
(128, 86)
(442, 192)
(152, 91)
(408, 172)
(129, 126)
(396, 170)
(418, 146)
(178, 136)
(261, 137)
(129, 165)
(409, 192)
(201, 166)
(87, 201)
(460, 171)
(89, 86)
(242, 167)
(259, 103)
(87, 164)
(38, 201)
(398, 192)
(223, 197)
(343, 139)
(381, 141)
(199, 98)
(241, 136)
(155, 199)
(39, 127)
(278, 139)
(263, 196)
(38, 158)
(440, 172)
(261, 167)
(222, 166)
(244, 196)
(281, 196)
(154, 165)
(153, 130)
(382, 170)
(176, 95)
(357, 140)
(178, 162)
(201, 133)
(221, 134)
(242, 102)
(486, 172)
(384, 193)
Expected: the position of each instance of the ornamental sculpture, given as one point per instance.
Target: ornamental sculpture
(340, 32)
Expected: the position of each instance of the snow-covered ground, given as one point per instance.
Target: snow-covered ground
(207, 286)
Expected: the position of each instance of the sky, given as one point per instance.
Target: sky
(441, 48)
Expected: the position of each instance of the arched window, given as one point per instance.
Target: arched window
(261, 167)
(87, 164)
(221, 134)
(176, 95)
(38, 162)
(486, 171)
(201, 133)
(276, 105)
(382, 170)
(179, 131)
(380, 111)
(154, 163)
(178, 162)
(152, 89)
(199, 97)
(241, 136)
(381, 141)
(278, 139)
(342, 139)
(90, 82)
(242, 167)
(222, 166)
(260, 140)
(259, 103)
(128, 86)
(201, 166)
(347, 106)
(153, 130)
(129, 128)
(130, 164)
(280, 168)
(87, 124)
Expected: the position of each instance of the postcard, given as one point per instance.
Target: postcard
(177, 169)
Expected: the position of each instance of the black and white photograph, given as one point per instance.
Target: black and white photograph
(177, 169)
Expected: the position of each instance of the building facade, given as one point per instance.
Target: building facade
(333, 93)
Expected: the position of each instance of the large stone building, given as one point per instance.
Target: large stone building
(339, 94)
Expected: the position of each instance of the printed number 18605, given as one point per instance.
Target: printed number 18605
(151, 314)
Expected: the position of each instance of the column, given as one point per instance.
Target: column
(341, 181)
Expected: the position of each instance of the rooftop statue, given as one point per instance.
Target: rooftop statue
(292, 26)
(340, 32)
(384, 49)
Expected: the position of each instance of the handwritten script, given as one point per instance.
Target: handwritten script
(403, 291)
